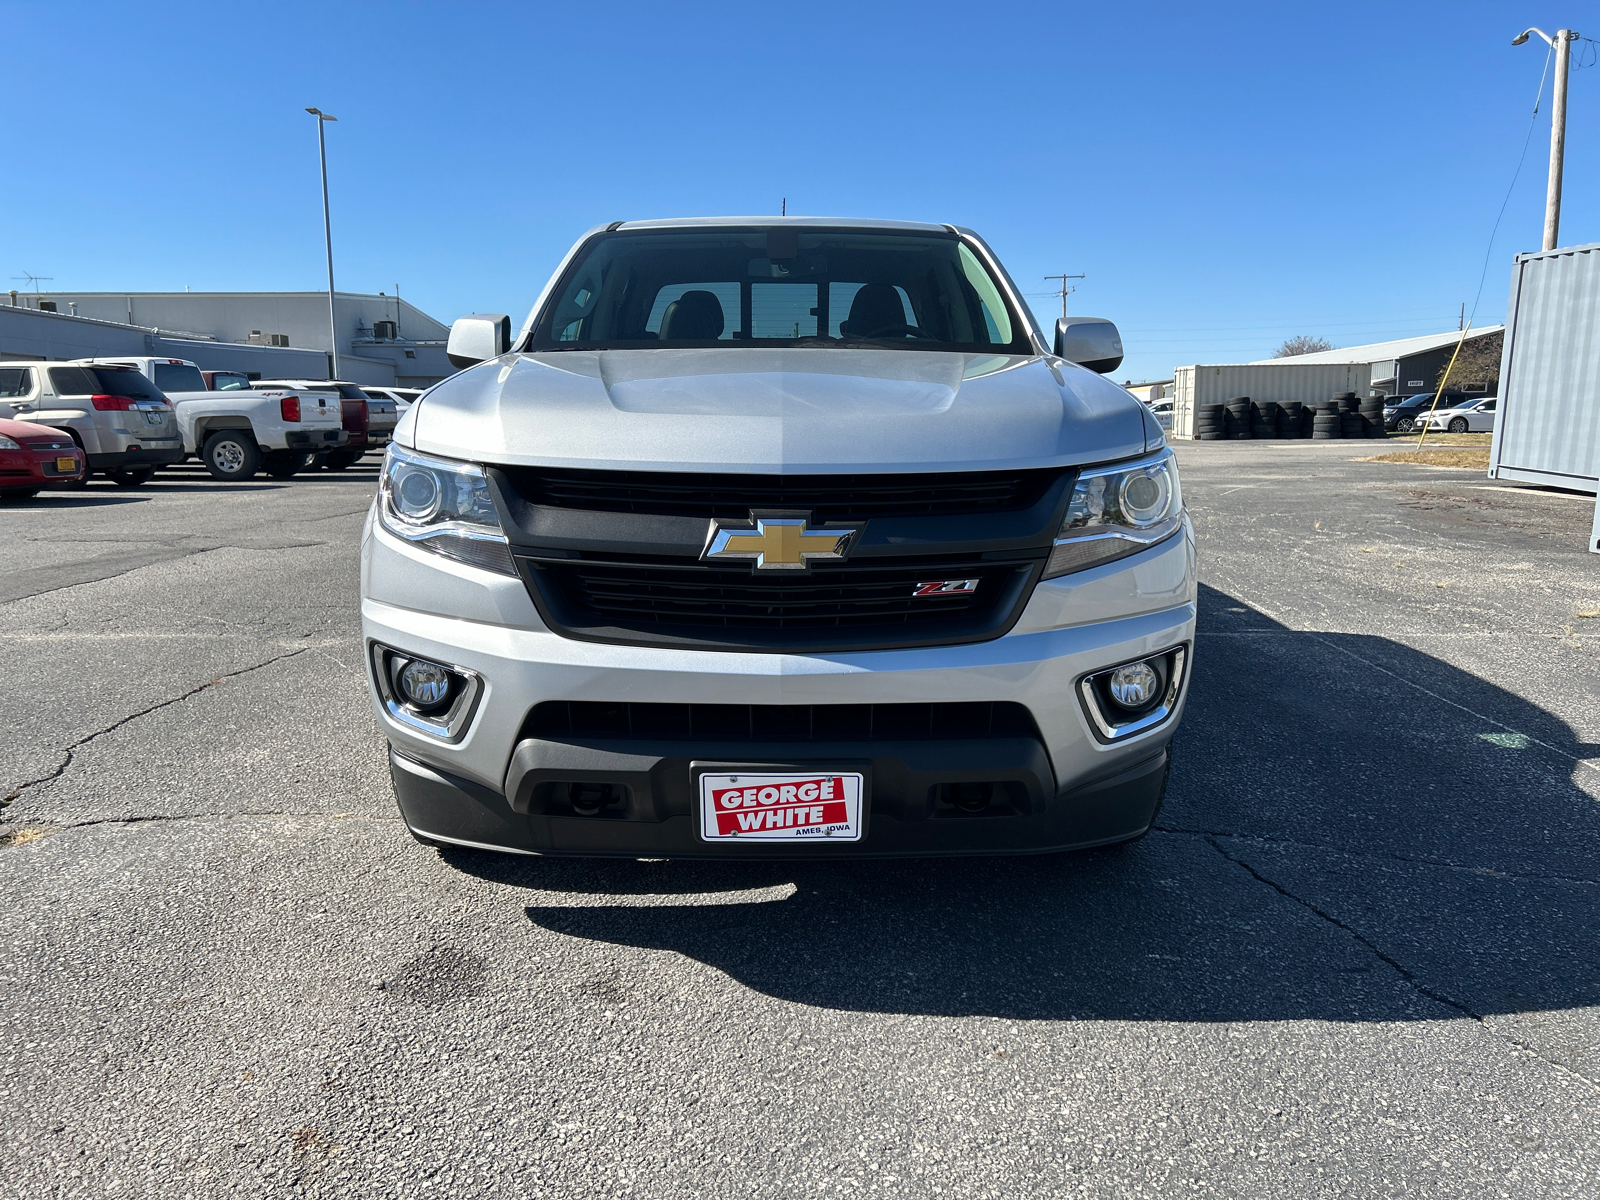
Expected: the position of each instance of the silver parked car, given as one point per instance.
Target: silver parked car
(121, 420)
(779, 538)
(1470, 416)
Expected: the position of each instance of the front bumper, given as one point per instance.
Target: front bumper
(1066, 788)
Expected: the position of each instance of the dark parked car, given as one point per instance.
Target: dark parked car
(1402, 414)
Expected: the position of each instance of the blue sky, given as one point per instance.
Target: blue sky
(1225, 175)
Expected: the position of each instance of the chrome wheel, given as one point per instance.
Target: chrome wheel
(228, 457)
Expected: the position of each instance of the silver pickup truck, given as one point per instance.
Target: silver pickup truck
(779, 538)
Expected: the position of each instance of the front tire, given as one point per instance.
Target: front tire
(1404, 425)
(231, 455)
(136, 477)
(341, 460)
(1459, 425)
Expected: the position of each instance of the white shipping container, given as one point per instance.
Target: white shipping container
(1308, 383)
(1547, 429)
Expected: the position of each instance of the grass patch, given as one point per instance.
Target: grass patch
(26, 834)
(1466, 456)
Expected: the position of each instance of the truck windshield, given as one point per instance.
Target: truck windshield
(780, 286)
(172, 377)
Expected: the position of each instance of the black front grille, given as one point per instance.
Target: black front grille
(844, 605)
(557, 719)
(826, 497)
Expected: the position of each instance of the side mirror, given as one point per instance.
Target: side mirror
(478, 338)
(1091, 342)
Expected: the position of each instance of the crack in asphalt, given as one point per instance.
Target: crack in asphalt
(1407, 976)
(1390, 855)
(71, 751)
(126, 564)
(150, 818)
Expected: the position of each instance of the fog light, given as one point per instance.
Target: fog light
(425, 684)
(1135, 685)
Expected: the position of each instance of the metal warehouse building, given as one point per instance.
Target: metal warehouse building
(1406, 367)
(382, 339)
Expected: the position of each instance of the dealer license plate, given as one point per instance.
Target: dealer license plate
(155, 418)
(66, 465)
(812, 806)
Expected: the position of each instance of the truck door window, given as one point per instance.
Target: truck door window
(15, 381)
(171, 377)
(995, 317)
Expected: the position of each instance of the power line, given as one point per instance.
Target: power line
(1488, 250)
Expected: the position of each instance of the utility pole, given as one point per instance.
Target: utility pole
(327, 233)
(1065, 290)
(1561, 46)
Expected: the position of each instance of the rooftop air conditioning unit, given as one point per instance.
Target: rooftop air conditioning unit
(385, 331)
(278, 339)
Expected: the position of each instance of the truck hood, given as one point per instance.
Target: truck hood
(754, 410)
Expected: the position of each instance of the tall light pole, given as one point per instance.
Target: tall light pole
(327, 233)
(1558, 127)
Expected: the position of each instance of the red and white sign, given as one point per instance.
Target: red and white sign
(781, 808)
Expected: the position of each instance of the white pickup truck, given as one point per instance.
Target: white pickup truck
(236, 432)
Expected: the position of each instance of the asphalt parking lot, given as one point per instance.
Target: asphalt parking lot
(1357, 957)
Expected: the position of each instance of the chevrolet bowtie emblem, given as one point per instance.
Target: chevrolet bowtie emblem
(778, 541)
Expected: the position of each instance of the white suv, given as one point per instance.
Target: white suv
(120, 419)
(788, 538)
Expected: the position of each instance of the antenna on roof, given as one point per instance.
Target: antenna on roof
(34, 279)
(785, 210)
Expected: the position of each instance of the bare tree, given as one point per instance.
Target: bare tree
(1477, 367)
(1304, 344)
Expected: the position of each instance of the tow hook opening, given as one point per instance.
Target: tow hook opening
(592, 799)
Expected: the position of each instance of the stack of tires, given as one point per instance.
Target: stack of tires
(1350, 423)
(1264, 419)
(1289, 418)
(1210, 422)
(1238, 423)
(1372, 416)
(1327, 425)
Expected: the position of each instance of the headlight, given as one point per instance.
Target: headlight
(1117, 511)
(444, 506)
(7, 444)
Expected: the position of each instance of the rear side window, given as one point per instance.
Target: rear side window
(226, 381)
(72, 381)
(172, 377)
(15, 381)
(115, 382)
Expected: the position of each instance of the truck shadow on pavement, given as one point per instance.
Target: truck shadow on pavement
(1316, 858)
